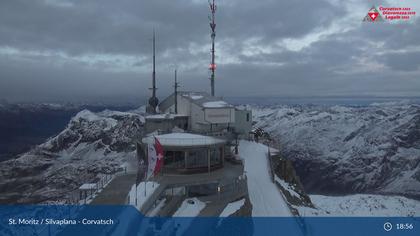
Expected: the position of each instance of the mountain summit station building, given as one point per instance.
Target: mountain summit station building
(196, 131)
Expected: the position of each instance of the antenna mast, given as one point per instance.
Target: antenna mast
(153, 101)
(176, 86)
(212, 67)
(154, 65)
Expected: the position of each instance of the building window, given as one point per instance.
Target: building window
(197, 158)
(247, 117)
(215, 156)
(174, 159)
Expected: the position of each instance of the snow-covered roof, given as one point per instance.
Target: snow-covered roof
(215, 104)
(183, 139)
(164, 116)
(201, 99)
(193, 95)
(205, 100)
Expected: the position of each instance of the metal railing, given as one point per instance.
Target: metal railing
(79, 197)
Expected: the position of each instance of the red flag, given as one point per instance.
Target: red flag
(151, 160)
(159, 155)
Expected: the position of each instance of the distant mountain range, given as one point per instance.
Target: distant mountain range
(335, 149)
(23, 126)
(343, 150)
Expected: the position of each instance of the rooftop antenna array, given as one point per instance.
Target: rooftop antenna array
(212, 66)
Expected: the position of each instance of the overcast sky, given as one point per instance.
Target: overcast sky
(69, 50)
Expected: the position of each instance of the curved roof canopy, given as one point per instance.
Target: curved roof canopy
(184, 139)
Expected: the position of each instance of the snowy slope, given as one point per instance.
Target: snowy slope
(265, 197)
(361, 205)
(93, 144)
(349, 149)
(232, 208)
(144, 191)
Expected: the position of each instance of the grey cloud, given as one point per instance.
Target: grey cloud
(408, 61)
(328, 66)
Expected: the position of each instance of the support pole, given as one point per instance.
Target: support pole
(223, 155)
(136, 196)
(208, 159)
(185, 159)
(154, 67)
(176, 94)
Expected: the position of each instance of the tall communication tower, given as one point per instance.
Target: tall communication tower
(212, 66)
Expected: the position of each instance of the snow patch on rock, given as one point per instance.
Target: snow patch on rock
(362, 205)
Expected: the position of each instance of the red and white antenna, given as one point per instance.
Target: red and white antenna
(212, 66)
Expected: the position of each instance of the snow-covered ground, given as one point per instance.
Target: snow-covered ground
(190, 207)
(232, 208)
(361, 205)
(160, 204)
(265, 197)
(287, 186)
(142, 193)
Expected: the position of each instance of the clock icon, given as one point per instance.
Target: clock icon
(387, 226)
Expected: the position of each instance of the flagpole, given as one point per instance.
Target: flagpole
(137, 173)
(153, 182)
(146, 172)
(136, 195)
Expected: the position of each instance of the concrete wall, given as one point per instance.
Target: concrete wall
(219, 115)
(207, 120)
(170, 109)
(183, 106)
(243, 122)
(166, 103)
(197, 118)
(203, 119)
(166, 125)
(158, 124)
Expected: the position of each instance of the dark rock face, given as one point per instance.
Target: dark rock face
(93, 144)
(341, 150)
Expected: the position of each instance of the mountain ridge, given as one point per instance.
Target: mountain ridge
(345, 150)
